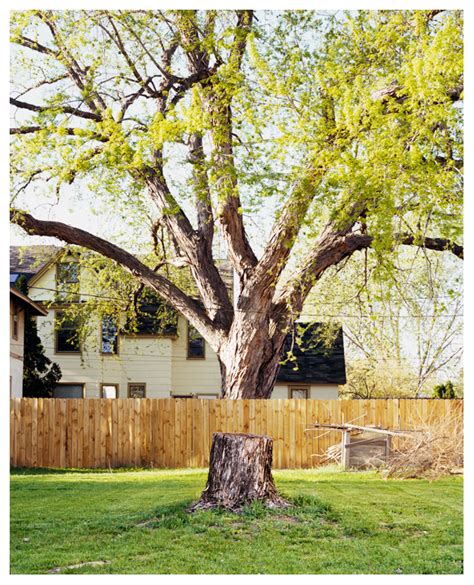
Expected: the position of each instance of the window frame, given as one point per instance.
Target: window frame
(136, 384)
(143, 333)
(15, 322)
(194, 357)
(56, 333)
(101, 331)
(292, 388)
(68, 263)
(65, 283)
(82, 384)
(117, 390)
(207, 395)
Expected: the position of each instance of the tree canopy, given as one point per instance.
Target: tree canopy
(335, 132)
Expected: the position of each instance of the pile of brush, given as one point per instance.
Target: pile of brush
(433, 450)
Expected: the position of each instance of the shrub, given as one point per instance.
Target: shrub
(444, 390)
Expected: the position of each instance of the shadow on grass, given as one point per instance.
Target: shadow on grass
(176, 516)
(62, 471)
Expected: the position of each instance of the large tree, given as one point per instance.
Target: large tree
(345, 129)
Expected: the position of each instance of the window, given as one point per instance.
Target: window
(15, 322)
(152, 317)
(200, 395)
(196, 344)
(67, 278)
(207, 395)
(69, 391)
(67, 338)
(136, 390)
(109, 341)
(110, 391)
(299, 393)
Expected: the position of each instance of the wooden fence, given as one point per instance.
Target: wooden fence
(85, 433)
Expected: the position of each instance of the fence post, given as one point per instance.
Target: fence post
(345, 449)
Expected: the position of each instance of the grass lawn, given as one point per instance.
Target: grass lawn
(135, 522)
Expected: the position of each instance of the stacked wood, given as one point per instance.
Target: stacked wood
(332, 455)
(437, 449)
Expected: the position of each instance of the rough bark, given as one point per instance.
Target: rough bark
(240, 472)
(250, 359)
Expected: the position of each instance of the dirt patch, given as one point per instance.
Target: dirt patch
(147, 523)
(287, 519)
(79, 566)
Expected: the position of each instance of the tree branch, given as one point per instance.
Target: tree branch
(436, 244)
(76, 132)
(59, 109)
(203, 201)
(396, 92)
(189, 307)
(332, 248)
(35, 46)
(190, 245)
(75, 72)
(229, 213)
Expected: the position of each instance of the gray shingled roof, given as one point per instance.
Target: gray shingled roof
(315, 363)
(29, 260)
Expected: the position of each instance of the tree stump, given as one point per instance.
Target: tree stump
(240, 472)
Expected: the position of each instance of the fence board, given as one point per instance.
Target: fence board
(178, 432)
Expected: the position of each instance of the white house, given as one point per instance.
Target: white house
(20, 305)
(174, 361)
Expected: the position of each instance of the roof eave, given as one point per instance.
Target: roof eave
(33, 307)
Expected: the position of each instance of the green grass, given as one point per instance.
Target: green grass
(136, 522)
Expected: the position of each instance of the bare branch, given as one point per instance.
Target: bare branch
(332, 248)
(396, 92)
(437, 244)
(59, 109)
(76, 73)
(35, 46)
(188, 243)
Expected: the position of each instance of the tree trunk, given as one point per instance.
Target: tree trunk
(250, 360)
(240, 472)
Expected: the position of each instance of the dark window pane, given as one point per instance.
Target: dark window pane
(68, 391)
(109, 335)
(136, 390)
(152, 317)
(196, 344)
(67, 338)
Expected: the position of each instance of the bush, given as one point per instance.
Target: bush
(444, 390)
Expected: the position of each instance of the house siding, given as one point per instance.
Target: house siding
(316, 391)
(196, 376)
(140, 360)
(16, 350)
